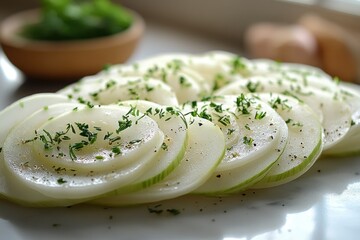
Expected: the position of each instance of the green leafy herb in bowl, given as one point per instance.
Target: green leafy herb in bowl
(74, 19)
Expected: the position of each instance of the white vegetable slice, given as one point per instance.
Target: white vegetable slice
(311, 76)
(350, 94)
(17, 112)
(110, 89)
(204, 151)
(13, 189)
(300, 73)
(188, 84)
(174, 127)
(236, 65)
(217, 68)
(305, 140)
(334, 113)
(22, 108)
(238, 178)
(134, 88)
(215, 73)
(110, 148)
(84, 87)
(246, 123)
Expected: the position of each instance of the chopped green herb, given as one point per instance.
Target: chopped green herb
(297, 124)
(133, 111)
(148, 88)
(160, 112)
(135, 141)
(95, 96)
(216, 107)
(84, 131)
(97, 129)
(124, 124)
(252, 87)
(237, 65)
(291, 94)
(133, 92)
(61, 181)
(224, 120)
(47, 142)
(352, 122)
(173, 211)
(164, 146)
(149, 111)
(114, 139)
(278, 103)
(259, 115)
(76, 147)
(110, 84)
(107, 135)
(106, 67)
(230, 131)
(205, 115)
(248, 140)
(243, 104)
(184, 82)
(116, 150)
(219, 81)
(193, 104)
(337, 80)
(87, 103)
(154, 210)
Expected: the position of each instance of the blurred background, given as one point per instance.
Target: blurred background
(227, 18)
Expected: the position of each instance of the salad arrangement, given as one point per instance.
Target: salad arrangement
(213, 124)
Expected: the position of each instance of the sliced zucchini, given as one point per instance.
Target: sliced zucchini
(110, 89)
(351, 96)
(204, 72)
(82, 153)
(187, 84)
(13, 189)
(204, 151)
(246, 123)
(333, 112)
(305, 140)
(270, 131)
(174, 127)
(293, 72)
(16, 112)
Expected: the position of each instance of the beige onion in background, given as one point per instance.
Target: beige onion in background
(313, 40)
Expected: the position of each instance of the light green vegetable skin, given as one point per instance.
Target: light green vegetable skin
(176, 124)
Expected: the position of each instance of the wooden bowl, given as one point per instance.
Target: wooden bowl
(65, 59)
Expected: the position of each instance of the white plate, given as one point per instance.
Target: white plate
(322, 204)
